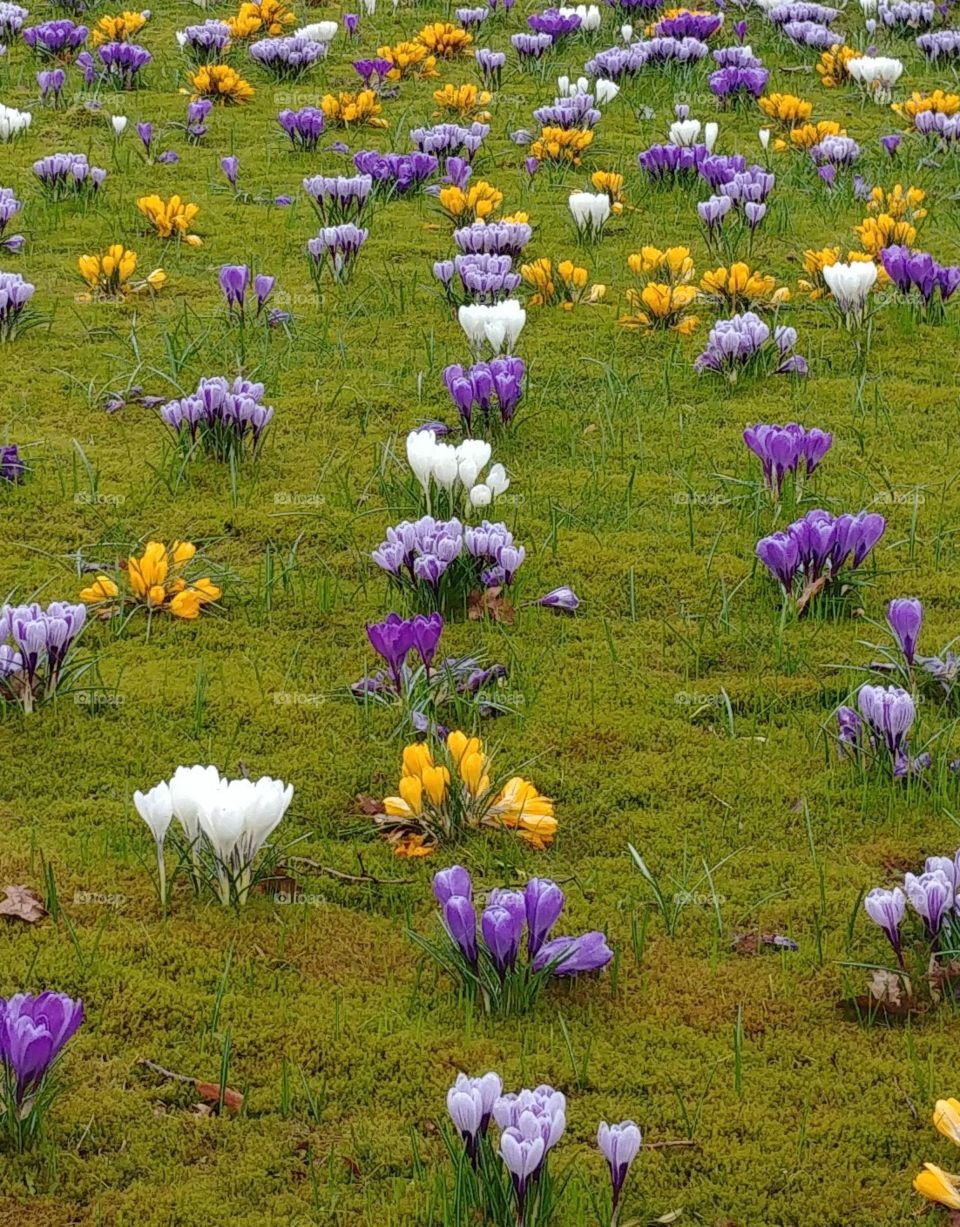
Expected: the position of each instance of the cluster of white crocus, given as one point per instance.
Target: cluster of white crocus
(590, 211)
(318, 31)
(456, 470)
(235, 818)
(878, 74)
(569, 89)
(686, 132)
(13, 122)
(850, 284)
(496, 324)
(869, 8)
(589, 15)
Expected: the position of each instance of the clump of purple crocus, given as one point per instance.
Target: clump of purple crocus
(12, 466)
(441, 561)
(941, 44)
(782, 14)
(811, 34)
(10, 206)
(745, 344)
(490, 65)
(531, 1124)
(920, 278)
(905, 15)
(339, 198)
(123, 63)
(932, 895)
(15, 294)
(12, 17)
(33, 1032)
(198, 112)
(813, 550)
(287, 59)
(394, 174)
(235, 281)
(689, 24)
(471, 18)
(836, 151)
(206, 43)
(577, 111)
(878, 732)
(68, 174)
(555, 23)
(486, 392)
(513, 955)
(731, 84)
(495, 238)
(673, 163)
(220, 416)
(59, 38)
(304, 127)
(784, 450)
(35, 646)
(51, 82)
(374, 71)
(531, 47)
(482, 278)
(448, 140)
(337, 248)
(395, 638)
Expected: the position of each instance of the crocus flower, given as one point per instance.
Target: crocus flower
(905, 617)
(502, 930)
(156, 809)
(570, 956)
(620, 1145)
(564, 599)
(470, 1102)
(450, 882)
(890, 712)
(230, 166)
(932, 897)
(33, 1033)
(543, 900)
(460, 919)
(886, 908)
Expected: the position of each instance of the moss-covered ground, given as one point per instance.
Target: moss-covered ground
(672, 712)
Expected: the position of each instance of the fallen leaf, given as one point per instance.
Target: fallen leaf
(490, 603)
(369, 805)
(209, 1093)
(22, 903)
(809, 592)
(751, 943)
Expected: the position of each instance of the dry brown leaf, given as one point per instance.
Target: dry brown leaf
(209, 1093)
(369, 805)
(809, 592)
(490, 603)
(22, 903)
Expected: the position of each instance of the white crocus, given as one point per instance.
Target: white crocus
(684, 132)
(119, 123)
(626, 33)
(156, 809)
(869, 7)
(764, 136)
(456, 470)
(13, 122)
(589, 16)
(473, 455)
(590, 211)
(496, 482)
(850, 284)
(710, 133)
(605, 91)
(421, 448)
(237, 819)
(445, 466)
(878, 74)
(495, 324)
(318, 31)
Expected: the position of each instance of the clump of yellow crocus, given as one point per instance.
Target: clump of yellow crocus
(805, 136)
(944, 104)
(221, 83)
(342, 110)
(443, 796)
(898, 203)
(933, 1182)
(110, 275)
(479, 201)
(832, 66)
(409, 59)
(662, 306)
(261, 17)
(172, 218)
(118, 29)
(157, 580)
(561, 145)
(444, 40)
(739, 287)
(466, 101)
(672, 264)
(566, 286)
(882, 230)
(785, 109)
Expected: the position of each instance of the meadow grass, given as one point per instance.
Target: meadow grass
(674, 713)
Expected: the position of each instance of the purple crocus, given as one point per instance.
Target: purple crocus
(470, 1102)
(932, 897)
(905, 617)
(230, 167)
(392, 639)
(784, 450)
(570, 956)
(450, 882)
(502, 929)
(12, 467)
(886, 908)
(543, 902)
(563, 599)
(33, 1032)
(460, 918)
(890, 712)
(234, 281)
(620, 1145)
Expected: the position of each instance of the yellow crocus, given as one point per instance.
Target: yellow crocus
(341, 110)
(832, 67)
(561, 144)
(171, 218)
(662, 306)
(805, 136)
(740, 285)
(786, 109)
(946, 1118)
(102, 589)
(944, 104)
(937, 1185)
(674, 262)
(221, 83)
(444, 40)
(435, 780)
(473, 772)
(459, 744)
(149, 570)
(464, 100)
(480, 199)
(269, 17)
(118, 29)
(881, 231)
